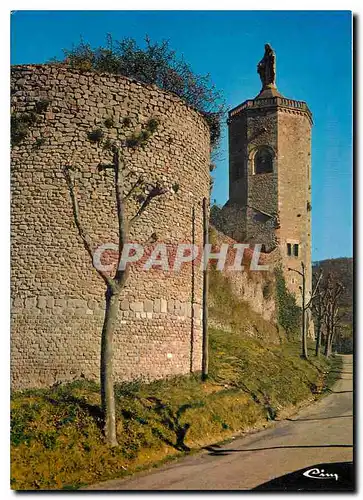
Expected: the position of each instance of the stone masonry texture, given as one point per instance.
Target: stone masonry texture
(57, 297)
(256, 288)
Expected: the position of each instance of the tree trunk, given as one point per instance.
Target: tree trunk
(205, 346)
(332, 340)
(305, 343)
(327, 344)
(107, 384)
(304, 339)
(318, 340)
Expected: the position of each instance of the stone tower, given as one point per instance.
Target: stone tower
(270, 175)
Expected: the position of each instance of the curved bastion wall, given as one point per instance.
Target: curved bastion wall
(57, 297)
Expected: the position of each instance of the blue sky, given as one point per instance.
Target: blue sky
(313, 64)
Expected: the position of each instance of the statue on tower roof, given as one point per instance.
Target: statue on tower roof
(266, 68)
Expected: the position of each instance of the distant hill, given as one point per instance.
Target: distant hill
(342, 269)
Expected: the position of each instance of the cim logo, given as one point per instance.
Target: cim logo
(319, 474)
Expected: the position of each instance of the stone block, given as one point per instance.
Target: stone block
(18, 302)
(124, 305)
(92, 304)
(50, 302)
(77, 303)
(197, 311)
(148, 306)
(30, 302)
(182, 309)
(163, 306)
(137, 306)
(188, 309)
(60, 302)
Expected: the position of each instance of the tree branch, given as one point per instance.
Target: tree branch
(295, 270)
(136, 185)
(121, 275)
(153, 193)
(314, 294)
(84, 236)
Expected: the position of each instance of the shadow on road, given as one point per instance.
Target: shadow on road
(221, 452)
(317, 419)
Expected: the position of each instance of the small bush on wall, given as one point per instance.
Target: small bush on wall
(95, 136)
(20, 124)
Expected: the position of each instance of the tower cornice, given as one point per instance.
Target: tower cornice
(277, 103)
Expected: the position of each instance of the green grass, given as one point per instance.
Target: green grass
(335, 367)
(56, 437)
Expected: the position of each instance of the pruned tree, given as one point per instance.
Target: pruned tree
(318, 306)
(332, 318)
(116, 282)
(305, 305)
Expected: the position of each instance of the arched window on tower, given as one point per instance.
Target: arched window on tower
(263, 161)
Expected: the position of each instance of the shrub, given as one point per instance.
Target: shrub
(42, 105)
(152, 125)
(19, 130)
(126, 122)
(137, 139)
(109, 145)
(30, 118)
(289, 313)
(39, 142)
(20, 123)
(156, 64)
(133, 141)
(109, 122)
(95, 136)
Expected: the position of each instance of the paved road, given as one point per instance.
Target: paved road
(321, 433)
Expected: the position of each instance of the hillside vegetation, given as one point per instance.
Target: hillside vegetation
(56, 439)
(341, 269)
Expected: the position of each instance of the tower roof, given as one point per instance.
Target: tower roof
(267, 92)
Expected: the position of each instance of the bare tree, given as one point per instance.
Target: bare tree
(305, 306)
(318, 308)
(115, 284)
(334, 290)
